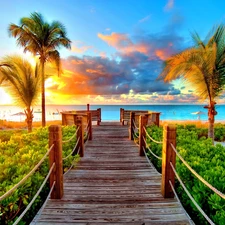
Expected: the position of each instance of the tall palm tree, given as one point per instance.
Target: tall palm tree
(202, 66)
(23, 82)
(41, 39)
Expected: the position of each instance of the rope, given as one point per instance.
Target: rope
(69, 168)
(78, 152)
(86, 128)
(137, 136)
(43, 206)
(197, 175)
(135, 125)
(175, 193)
(150, 163)
(136, 142)
(148, 147)
(36, 195)
(73, 149)
(86, 141)
(72, 136)
(190, 196)
(158, 142)
(27, 176)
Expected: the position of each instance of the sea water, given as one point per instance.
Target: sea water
(112, 112)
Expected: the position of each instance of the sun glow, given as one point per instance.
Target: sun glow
(32, 59)
(5, 99)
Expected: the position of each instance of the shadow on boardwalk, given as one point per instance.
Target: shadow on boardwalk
(112, 184)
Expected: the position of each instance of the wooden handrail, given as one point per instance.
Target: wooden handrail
(69, 117)
(131, 129)
(55, 156)
(142, 135)
(154, 117)
(80, 134)
(168, 155)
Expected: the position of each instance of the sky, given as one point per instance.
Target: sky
(117, 47)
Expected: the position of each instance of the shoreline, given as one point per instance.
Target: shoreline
(22, 124)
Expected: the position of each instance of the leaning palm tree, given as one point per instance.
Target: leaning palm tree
(41, 39)
(23, 83)
(202, 66)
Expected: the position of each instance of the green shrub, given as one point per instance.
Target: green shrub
(207, 160)
(18, 156)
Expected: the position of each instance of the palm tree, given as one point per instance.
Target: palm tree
(23, 82)
(202, 66)
(41, 39)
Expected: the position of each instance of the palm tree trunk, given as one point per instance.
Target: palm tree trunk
(29, 119)
(211, 118)
(43, 93)
(211, 128)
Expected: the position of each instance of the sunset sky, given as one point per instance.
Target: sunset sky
(118, 47)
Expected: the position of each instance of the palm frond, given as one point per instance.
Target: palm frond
(22, 83)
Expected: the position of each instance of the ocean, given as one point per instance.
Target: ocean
(112, 112)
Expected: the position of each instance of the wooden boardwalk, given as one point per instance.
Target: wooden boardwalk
(112, 184)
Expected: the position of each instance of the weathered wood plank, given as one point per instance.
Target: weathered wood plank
(112, 184)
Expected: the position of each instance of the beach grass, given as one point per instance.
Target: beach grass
(23, 125)
(197, 123)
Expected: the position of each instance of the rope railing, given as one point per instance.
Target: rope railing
(71, 166)
(219, 193)
(157, 142)
(75, 134)
(35, 196)
(189, 195)
(86, 138)
(135, 126)
(74, 149)
(148, 147)
(43, 206)
(86, 128)
(9, 192)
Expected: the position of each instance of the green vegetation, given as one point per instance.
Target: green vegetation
(41, 39)
(19, 153)
(207, 160)
(202, 66)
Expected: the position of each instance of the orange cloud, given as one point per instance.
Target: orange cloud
(122, 43)
(163, 54)
(80, 47)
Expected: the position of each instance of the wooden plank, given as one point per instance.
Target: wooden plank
(112, 184)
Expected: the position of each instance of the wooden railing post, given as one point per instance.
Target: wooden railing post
(88, 107)
(80, 134)
(89, 125)
(157, 119)
(63, 119)
(142, 134)
(122, 115)
(168, 155)
(55, 156)
(99, 116)
(131, 130)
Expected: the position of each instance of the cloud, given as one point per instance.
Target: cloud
(130, 75)
(160, 45)
(145, 19)
(169, 5)
(80, 47)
